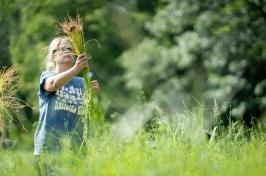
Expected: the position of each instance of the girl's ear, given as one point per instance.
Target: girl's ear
(53, 57)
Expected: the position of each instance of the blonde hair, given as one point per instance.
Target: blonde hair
(50, 64)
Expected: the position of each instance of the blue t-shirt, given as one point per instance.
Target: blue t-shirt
(60, 113)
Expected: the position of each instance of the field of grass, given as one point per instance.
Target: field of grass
(166, 150)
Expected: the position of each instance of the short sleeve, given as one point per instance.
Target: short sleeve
(44, 76)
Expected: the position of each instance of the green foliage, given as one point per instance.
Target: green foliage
(7, 11)
(205, 50)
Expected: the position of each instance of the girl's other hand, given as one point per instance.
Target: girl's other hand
(95, 86)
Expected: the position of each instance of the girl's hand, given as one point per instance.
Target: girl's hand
(95, 86)
(81, 63)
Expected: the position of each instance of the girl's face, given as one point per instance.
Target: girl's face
(63, 52)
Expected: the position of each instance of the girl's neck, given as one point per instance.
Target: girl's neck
(62, 68)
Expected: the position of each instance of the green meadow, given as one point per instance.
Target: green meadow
(181, 148)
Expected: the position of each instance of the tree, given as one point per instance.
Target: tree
(7, 11)
(205, 50)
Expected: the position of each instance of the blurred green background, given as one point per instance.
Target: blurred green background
(153, 53)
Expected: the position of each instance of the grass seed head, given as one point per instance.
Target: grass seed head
(73, 28)
(9, 103)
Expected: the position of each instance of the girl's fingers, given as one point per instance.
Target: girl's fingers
(82, 59)
(95, 84)
(81, 56)
(96, 89)
(83, 62)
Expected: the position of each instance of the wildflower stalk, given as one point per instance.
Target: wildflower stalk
(93, 118)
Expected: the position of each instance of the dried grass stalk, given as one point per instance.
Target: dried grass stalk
(9, 103)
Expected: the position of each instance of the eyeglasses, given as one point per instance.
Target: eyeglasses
(64, 49)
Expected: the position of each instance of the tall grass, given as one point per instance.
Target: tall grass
(93, 118)
(9, 103)
(169, 149)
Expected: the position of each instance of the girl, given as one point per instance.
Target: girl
(60, 97)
